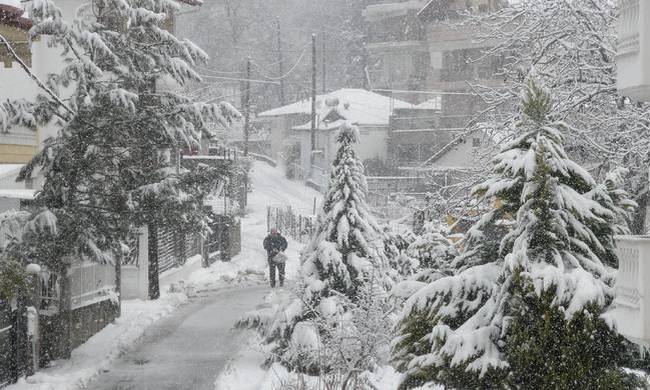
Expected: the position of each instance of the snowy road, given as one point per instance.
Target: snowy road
(188, 349)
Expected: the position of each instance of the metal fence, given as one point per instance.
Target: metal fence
(290, 223)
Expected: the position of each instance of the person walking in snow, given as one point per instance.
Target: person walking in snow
(274, 244)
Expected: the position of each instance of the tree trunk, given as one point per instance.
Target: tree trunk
(154, 283)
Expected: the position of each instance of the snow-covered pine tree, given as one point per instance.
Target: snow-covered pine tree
(343, 264)
(528, 316)
(346, 249)
(397, 239)
(611, 195)
(112, 167)
(573, 46)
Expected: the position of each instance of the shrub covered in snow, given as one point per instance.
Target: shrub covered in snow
(433, 251)
(523, 308)
(397, 239)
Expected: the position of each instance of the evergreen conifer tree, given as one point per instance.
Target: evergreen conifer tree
(113, 165)
(528, 315)
(343, 265)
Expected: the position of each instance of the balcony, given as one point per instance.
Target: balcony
(633, 58)
(631, 308)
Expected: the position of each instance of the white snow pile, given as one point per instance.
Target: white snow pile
(245, 372)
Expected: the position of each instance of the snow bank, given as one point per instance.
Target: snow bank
(244, 373)
(99, 352)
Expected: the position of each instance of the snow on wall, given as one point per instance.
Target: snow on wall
(463, 155)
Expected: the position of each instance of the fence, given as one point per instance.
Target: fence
(175, 247)
(90, 283)
(290, 223)
(225, 240)
(7, 344)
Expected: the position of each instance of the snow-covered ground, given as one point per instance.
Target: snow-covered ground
(244, 372)
(270, 188)
(102, 349)
(249, 267)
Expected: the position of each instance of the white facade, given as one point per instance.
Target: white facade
(633, 58)
(372, 144)
(631, 309)
(15, 82)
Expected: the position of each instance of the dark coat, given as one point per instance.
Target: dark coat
(274, 244)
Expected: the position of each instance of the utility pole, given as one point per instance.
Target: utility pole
(323, 53)
(247, 123)
(247, 106)
(280, 63)
(313, 98)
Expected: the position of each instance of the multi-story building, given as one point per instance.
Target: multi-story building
(435, 59)
(398, 53)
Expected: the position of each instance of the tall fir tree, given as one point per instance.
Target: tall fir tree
(343, 265)
(111, 166)
(529, 314)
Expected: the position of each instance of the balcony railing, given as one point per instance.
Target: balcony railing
(631, 309)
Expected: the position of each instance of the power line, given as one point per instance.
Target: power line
(302, 55)
(203, 68)
(239, 79)
(424, 92)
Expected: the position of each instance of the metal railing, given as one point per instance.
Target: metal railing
(290, 223)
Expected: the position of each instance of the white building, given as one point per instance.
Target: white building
(19, 144)
(631, 313)
(368, 110)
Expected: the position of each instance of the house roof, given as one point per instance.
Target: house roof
(11, 12)
(381, 11)
(355, 105)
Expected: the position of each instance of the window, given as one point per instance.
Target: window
(476, 142)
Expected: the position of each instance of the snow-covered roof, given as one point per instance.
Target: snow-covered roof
(22, 194)
(355, 105)
(387, 10)
(13, 14)
(431, 104)
(9, 169)
(321, 126)
(13, 3)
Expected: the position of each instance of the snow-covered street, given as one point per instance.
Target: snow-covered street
(168, 344)
(188, 349)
